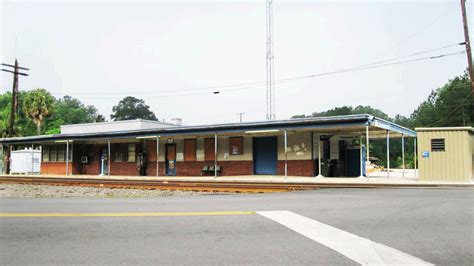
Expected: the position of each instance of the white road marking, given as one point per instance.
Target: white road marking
(356, 248)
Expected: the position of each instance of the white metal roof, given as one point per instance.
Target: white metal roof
(113, 126)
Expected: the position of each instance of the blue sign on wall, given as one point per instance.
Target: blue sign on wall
(426, 154)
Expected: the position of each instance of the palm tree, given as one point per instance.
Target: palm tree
(38, 105)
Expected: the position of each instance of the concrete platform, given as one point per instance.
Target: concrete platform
(395, 177)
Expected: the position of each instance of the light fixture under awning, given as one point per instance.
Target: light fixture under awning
(261, 131)
(148, 137)
(63, 141)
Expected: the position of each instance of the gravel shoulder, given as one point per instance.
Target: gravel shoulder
(43, 191)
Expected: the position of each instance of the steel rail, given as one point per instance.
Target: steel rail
(218, 186)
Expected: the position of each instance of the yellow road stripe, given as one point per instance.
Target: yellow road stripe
(132, 214)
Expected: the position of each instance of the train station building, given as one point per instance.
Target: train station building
(322, 146)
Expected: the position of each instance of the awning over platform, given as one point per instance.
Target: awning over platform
(351, 125)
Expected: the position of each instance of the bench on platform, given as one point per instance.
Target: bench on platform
(209, 169)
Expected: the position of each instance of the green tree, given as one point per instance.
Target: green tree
(298, 116)
(69, 110)
(38, 104)
(66, 110)
(132, 108)
(343, 110)
(5, 106)
(348, 110)
(450, 105)
(23, 125)
(371, 111)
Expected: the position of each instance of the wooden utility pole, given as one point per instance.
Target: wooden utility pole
(468, 44)
(11, 124)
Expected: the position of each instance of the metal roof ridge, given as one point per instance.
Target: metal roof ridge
(118, 122)
(468, 128)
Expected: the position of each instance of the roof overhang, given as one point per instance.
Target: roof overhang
(348, 124)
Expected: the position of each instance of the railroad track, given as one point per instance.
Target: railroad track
(212, 186)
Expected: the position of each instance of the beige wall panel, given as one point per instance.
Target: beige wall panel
(200, 149)
(179, 150)
(161, 156)
(334, 148)
(299, 146)
(223, 152)
(454, 164)
(472, 155)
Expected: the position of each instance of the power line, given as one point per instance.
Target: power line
(261, 83)
(374, 66)
(413, 54)
(305, 77)
(397, 45)
(451, 106)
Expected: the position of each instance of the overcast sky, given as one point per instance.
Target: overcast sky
(100, 52)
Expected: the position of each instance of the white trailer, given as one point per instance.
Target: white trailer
(25, 161)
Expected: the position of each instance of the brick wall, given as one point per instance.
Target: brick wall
(151, 151)
(236, 168)
(93, 167)
(228, 168)
(56, 168)
(124, 168)
(296, 168)
(151, 169)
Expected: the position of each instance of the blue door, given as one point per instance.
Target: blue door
(353, 161)
(265, 155)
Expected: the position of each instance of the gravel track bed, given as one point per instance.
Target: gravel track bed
(46, 191)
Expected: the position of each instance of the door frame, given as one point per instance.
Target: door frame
(167, 172)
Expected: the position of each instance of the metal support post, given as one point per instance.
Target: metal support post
(108, 157)
(388, 154)
(361, 158)
(414, 156)
(72, 158)
(9, 159)
(157, 156)
(286, 154)
(32, 158)
(67, 157)
(367, 143)
(367, 150)
(215, 155)
(319, 157)
(403, 156)
(312, 153)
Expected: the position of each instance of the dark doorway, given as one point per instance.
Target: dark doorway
(265, 155)
(171, 159)
(353, 161)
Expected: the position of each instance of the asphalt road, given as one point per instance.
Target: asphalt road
(435, 226)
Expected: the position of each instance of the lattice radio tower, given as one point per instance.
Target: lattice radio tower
(270, 66)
